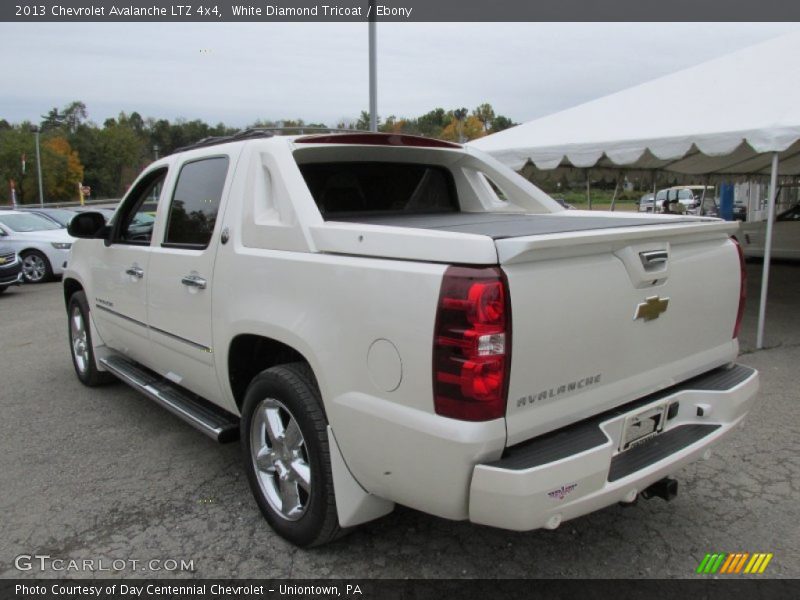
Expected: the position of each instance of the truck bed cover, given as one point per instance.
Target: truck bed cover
(509, 225)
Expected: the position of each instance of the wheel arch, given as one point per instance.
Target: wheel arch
(71, 286)
(250, 354)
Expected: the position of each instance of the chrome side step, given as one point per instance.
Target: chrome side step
(214, 422)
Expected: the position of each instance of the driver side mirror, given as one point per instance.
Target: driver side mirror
(88, 226)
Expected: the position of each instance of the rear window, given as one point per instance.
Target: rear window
(385, 188)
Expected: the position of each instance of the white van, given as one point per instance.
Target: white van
(682, 199)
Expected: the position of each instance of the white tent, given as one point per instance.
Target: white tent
(716, 117)
(738, 115)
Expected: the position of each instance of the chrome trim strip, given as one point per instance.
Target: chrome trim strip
(156, 329)
(180, 339)
(120, 315)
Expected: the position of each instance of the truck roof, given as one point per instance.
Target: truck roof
(326, 136)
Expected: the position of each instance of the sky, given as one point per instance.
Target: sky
(240, 72)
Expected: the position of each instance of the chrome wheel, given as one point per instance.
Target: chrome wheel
(280, 458)
(34, 267)
(79, 339)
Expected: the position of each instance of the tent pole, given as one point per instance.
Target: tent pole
(588, 190)
(762, 307)
(614, 197)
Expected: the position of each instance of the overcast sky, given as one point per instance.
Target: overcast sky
(240, 72)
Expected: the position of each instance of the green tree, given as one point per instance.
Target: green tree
(499, 123)
(485, 114)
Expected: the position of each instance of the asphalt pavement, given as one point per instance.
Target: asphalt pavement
(106, 475)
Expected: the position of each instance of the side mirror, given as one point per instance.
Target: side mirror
(88, 226)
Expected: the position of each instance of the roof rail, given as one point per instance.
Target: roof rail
(258, 132)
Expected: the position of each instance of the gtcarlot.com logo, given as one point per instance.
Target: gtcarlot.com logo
(734, 563)
(45, 562)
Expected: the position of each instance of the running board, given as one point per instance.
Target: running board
(197, 412)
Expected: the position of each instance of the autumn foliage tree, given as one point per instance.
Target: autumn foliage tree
(108, 157)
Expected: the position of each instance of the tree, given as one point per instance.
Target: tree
(499, 123)
(74, 115)
(52, 120)
(485, 114)
(363, 121)
(460, 131)
(62, 170)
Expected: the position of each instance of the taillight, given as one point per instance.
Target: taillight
(472, 344)
(742, 288)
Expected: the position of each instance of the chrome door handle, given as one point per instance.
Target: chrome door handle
(135, 271)
(194, 281)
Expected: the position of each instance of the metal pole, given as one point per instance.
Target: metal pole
(39, 170)
(588, 189)
(762, 307)
(373, 70)
(614, 197)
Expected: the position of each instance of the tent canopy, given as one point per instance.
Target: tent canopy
(722, 117)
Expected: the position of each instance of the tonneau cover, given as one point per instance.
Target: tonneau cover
(509, 225)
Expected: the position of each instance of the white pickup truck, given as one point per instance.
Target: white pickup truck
(388, 319)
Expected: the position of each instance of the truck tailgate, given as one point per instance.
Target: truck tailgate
(602, 317)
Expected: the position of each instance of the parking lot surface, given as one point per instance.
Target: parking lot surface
(105, 474)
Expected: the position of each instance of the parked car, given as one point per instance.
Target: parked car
(106, 212)
(739, 210)
(785, 235)
(61, 216)
(564, 203)
(10, 268)
(683, 199)
(343, 304)
(42, 245)
(644, 201)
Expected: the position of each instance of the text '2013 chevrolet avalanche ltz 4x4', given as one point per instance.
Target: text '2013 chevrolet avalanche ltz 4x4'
(388, 319)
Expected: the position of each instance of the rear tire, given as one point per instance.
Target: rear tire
(35, 267)
(80, 338)
(286, 455)
(3, 288)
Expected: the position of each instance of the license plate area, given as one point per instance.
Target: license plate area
(642, 426)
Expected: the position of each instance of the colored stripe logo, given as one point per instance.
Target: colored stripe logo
(734, 563)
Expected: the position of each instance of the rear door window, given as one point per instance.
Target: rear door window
(195, 203)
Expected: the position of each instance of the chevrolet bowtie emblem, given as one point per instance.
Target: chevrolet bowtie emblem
(651, 308)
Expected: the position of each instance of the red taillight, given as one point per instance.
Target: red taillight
(742, 288)
(472, 344)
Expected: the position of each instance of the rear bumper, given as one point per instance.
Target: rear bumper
(580, 469)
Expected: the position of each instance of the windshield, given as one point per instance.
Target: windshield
(62, 216)
(27, 223)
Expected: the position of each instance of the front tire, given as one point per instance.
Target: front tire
(35, 267)
(80, 341)
(286, 455)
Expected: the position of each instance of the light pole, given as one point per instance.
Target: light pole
(155, 150)
(39, 166)
(373, 70)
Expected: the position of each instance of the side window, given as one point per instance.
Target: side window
(195, 202)
(137, 216)
(501, 195)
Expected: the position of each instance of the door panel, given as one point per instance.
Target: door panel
(181, 276)
(120, 273)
